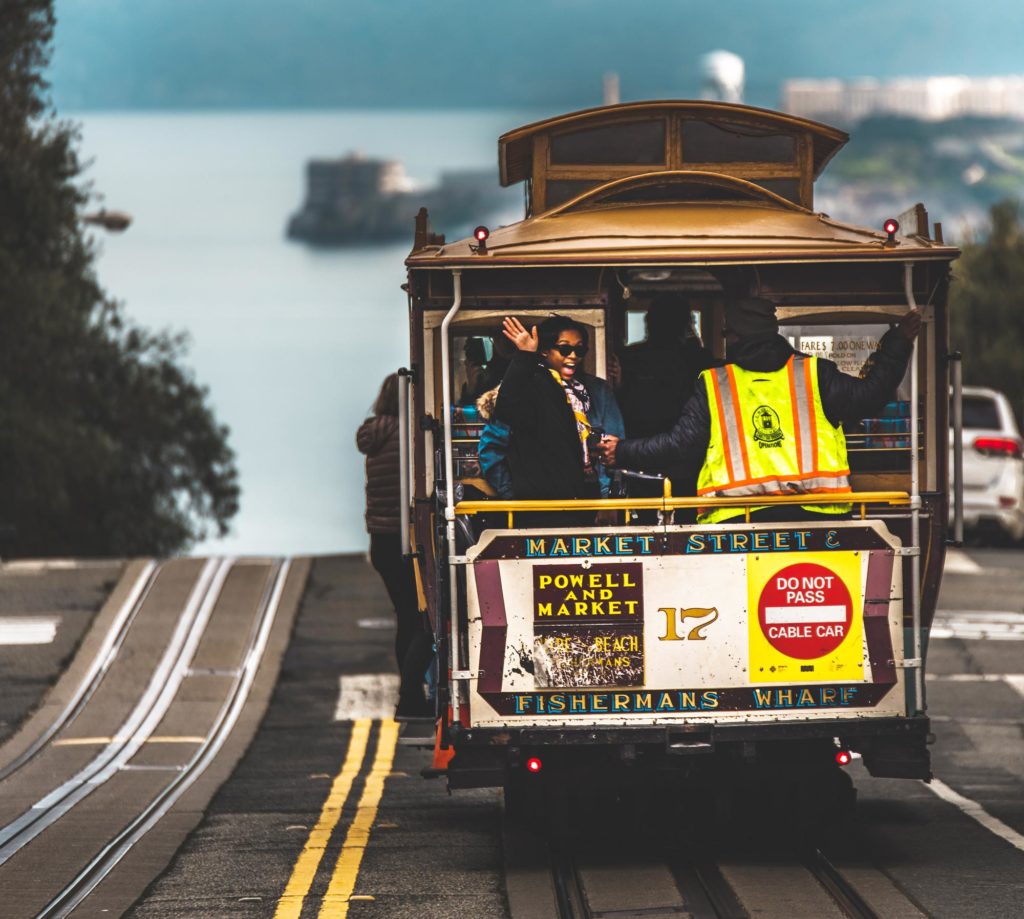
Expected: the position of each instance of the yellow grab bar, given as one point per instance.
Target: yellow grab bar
(666, 503)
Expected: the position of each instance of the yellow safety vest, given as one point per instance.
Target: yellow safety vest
(770, 436)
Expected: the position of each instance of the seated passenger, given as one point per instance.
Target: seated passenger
(550, 408)
(492, 450)
(770, 421)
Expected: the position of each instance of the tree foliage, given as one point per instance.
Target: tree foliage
(107, 443)
(987, 306)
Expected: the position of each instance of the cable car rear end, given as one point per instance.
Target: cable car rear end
(659, 646)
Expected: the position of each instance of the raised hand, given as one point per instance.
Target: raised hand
(516, 333)
(910, 325)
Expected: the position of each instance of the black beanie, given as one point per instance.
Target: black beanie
(748, 316)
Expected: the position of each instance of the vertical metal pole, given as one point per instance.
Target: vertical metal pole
(449, 488)
(958, 448)
(915, 505)
(403, 460)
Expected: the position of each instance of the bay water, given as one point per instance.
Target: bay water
(292, 341)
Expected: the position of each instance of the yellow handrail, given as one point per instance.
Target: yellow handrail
(672, 503)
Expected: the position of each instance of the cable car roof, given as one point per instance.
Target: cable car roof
(677, 217)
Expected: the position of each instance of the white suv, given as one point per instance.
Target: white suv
(993, 465)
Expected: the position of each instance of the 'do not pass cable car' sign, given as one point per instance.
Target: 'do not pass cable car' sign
(806, 618)
(805, 611)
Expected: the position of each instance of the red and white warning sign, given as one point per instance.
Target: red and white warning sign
(805, 611)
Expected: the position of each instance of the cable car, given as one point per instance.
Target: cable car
(656, 646)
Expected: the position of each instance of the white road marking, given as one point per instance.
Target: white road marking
(958, 562)
(382, 622)
(42, 565)
(28, 630)
(975, 811)
(1014, 680)
(979, 625)
(366, 695)
(970, 677)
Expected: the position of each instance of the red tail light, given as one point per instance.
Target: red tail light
(533, 764)
(999, 446)
(843, 757)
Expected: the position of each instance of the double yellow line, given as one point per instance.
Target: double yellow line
(346, 868)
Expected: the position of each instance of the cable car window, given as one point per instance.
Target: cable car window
(870, 442)
(704, 142)
(636, 327)
(633, 142)
(562, 190)
(784, 188)
(679, 191)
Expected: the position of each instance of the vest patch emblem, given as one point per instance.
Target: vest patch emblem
(767, 428)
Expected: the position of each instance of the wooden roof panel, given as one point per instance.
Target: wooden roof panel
(515, 148)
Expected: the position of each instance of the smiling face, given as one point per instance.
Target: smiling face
(566, 357)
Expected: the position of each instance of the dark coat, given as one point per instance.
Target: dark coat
(843, 398)
(377, 437)
(545, 456)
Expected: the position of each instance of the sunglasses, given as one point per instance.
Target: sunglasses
(566, 350)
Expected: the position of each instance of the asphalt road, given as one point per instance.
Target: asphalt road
(428, 854)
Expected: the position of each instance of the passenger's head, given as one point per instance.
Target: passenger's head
(475, 351)
(668, 317)
(746, 317)
(387, 398)
(563, 343)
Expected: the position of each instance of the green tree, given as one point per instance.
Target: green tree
(987, 306)
(107, 443)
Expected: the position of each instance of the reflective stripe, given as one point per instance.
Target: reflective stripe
(790, 485)
(812, 484)
(813, 405)
(739, 431)
(803, 413)
(730, 424)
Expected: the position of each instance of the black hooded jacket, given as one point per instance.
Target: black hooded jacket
(844, 398)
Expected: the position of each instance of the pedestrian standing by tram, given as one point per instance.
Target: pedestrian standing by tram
(555, 412)
(377, 438)
(770, 421)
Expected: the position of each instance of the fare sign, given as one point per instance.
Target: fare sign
(805, 611)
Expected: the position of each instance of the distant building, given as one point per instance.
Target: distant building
(927, 98)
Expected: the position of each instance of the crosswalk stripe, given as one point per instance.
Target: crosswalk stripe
(958, 562)
(366, 695)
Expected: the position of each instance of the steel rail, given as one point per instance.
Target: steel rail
(105, 657)
(569, 895)
(137, 727)
(837, 887)
(83, 884)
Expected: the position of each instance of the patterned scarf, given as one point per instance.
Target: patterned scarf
(579, 401)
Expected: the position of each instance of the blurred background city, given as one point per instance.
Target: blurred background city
(216, 125)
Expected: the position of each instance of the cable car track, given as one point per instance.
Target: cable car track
(93, 873)
(190, 600)
(112, 644)
(700, 888)
(704, 892)
(146, 715)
